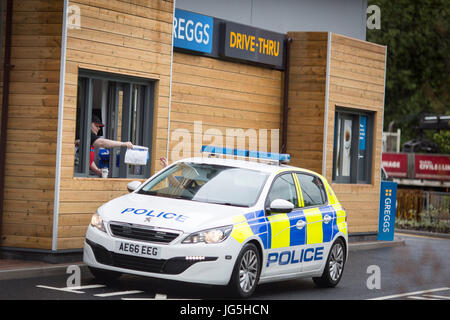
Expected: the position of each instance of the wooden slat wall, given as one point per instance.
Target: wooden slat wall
(126, 37)
(307, 75)
(223, 95)
(357, 70)
(2, 53)
(32, 124)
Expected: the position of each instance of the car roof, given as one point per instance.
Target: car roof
(269, 167)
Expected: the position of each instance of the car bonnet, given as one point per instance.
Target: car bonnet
(178, 214)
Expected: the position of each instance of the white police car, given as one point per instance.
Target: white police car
(223, 222)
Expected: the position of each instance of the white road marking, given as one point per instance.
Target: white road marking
(90, 286)
(59, 289)
(410, 294)
(420, 298)
(438, 297)
(74, 289)
(119, 293)
(158, 296)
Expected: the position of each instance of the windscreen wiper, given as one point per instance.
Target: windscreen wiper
(224, 203)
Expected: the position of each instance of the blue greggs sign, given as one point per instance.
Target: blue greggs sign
(386, 219)
(193, 31)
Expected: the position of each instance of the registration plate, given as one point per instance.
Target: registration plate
(137, 249)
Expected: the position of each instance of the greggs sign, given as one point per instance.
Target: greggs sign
(223, 39)
(192, 31)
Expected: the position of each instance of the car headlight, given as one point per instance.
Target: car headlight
(97, 222)
(214, 235)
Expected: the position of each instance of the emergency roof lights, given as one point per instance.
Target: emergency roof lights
(261, 155)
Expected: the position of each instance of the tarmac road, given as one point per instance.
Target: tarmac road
(417, 270)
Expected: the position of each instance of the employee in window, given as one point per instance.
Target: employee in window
(99, 142)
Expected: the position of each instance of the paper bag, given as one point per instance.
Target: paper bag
(137, 155)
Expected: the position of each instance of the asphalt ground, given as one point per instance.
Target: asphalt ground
(413, 267)
(24, 268)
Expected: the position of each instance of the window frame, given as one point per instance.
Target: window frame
(324, 191)
(355, 170)
(115, 83)
(291, 173)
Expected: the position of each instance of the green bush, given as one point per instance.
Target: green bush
(432, 221)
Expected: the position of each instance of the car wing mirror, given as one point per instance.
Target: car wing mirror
(280, 206)
(133, 185)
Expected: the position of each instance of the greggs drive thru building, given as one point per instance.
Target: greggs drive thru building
(159, 73)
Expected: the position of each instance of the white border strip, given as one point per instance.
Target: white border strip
(170, 86)
(384, 101)
(325, 115)
(382, 125)
(62, 79)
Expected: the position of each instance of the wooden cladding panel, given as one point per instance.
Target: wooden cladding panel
(131, 38)
(357, 70)
(213, 96)
(32, 124)
(307, 85)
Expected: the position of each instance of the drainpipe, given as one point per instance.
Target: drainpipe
(5, 103)
(286, 97)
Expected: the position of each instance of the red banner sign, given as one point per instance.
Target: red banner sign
(395, 164)
(432, 167)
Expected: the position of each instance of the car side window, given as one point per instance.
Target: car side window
(313, 190)
(283, 188)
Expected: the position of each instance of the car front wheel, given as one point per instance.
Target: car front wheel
(246, 272)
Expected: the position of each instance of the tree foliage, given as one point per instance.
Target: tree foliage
(416, 34)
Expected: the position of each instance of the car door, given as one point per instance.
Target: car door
(319, 220)
(286, 231)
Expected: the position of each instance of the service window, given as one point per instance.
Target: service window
(352, 151)
(283, 188)
(125, 107)
(313, 190)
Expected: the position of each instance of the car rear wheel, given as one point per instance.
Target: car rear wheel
(246, 272)
(334, 266)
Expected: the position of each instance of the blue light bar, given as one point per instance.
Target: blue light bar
(271, 156)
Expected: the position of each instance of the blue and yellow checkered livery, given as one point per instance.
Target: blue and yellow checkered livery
(279, 230)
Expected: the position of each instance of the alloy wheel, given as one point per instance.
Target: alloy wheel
(336, 261)
(248, 271)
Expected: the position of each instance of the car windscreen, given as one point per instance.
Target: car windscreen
(208, 183)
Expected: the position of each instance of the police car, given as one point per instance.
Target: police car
(220, 221)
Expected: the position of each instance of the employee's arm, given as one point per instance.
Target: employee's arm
(93, 167)
(106, 143)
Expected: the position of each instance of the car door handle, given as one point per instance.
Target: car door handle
(327, 218)
(300, 224)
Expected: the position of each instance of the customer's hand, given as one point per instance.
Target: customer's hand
(164, 162)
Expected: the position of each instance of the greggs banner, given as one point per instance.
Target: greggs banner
(222, 39)
(192, 31)
(386, 218)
